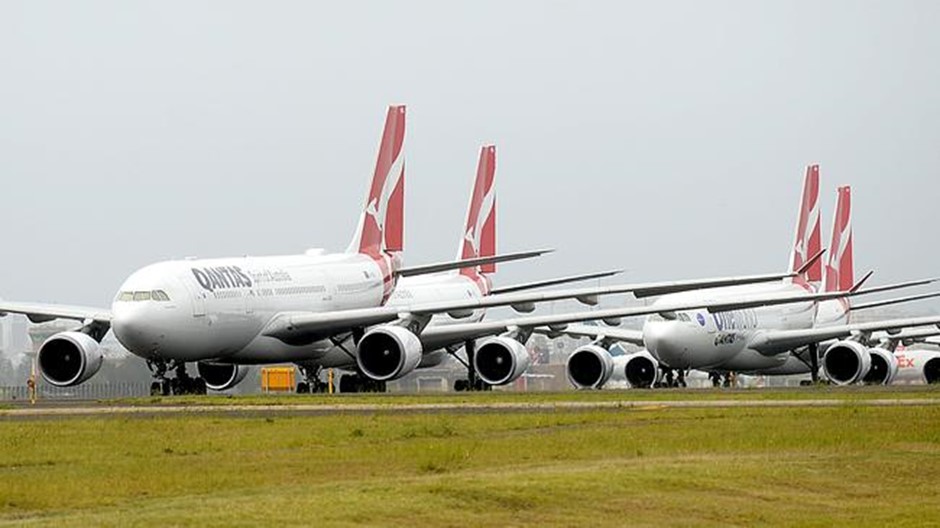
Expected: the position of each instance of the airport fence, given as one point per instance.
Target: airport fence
(87, 391)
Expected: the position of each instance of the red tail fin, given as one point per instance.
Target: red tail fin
(381, 223)
(479, 239)
(840, 271)
(807, 242)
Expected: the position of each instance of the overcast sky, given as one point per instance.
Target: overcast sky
(666, 138)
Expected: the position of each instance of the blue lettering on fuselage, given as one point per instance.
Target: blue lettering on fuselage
(221, 277)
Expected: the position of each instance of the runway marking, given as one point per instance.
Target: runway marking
(452, 407)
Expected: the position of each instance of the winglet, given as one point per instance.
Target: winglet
(855, 287)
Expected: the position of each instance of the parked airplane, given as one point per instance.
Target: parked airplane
(175, 312)
(756, 340)
(368, 349)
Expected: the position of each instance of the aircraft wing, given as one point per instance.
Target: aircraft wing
(552, 282)
(597, 332)
(778, 341)
(444, 335)
(41, 313)
(438, 267)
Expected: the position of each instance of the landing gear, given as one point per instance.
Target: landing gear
(715, 378)
(311, 383)
(473, 383)
(672, 378)
(360, 383)
(183, 383)
(814, 362)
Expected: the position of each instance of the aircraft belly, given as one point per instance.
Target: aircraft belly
(263, 349)
(750, 360)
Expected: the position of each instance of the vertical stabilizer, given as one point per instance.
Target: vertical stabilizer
(840, 270)
(381, 223)
(479, 235)
(808, 241)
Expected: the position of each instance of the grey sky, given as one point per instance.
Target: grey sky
(668, 138)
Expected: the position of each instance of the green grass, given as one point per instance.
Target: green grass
(851, 464)
(795, 393)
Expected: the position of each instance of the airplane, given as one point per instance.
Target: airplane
(759, 340)
(174, 312)
(365, 352)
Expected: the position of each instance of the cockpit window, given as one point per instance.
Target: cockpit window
(126, 296)
(142, 296)
(160, 295)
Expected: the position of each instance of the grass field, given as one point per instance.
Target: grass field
(794, 393)
(795, 466)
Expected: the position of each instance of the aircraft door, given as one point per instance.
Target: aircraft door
(198, 296)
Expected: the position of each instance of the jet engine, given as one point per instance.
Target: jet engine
(388, 352)
(500, 360)
(932, 371)
(846, 362)
(591, 366)
(884, 367)
(69, 358)
(642, 370)
(221, 376)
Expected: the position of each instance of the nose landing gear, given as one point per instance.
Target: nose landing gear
(183, 383)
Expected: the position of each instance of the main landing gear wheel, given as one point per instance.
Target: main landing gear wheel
(311, 383)
(182, 384)
(473, 383)
(360, 383)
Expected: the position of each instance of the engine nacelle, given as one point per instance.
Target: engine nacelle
(846, 362)
(221, 376)
(590, 367)
(69, 358)
(884, 367)
(500, 360)
(388, 352)
(642, 370)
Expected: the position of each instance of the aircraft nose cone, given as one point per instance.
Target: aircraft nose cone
(135, 329)
(664, 343)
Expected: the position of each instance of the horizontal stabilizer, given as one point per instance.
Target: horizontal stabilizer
(896, 300)
(745, 303)
(426, 269)
(809, 263)
(554, 282)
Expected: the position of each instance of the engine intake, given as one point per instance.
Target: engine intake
(846, 362)
(221, 376)
(589, 367)
(932, 371)
(642, 370)
(500, 360)
(69, 358)
(884, 367)
(388, 352)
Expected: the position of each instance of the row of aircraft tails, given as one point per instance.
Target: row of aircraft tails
(365, 312)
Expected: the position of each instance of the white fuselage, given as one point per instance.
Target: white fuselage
(697, 339)
(194, 310)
